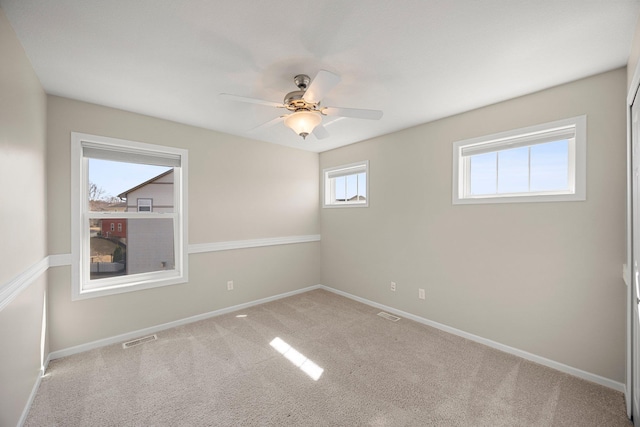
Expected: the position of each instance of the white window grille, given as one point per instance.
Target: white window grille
(346, 185)
(536, 164)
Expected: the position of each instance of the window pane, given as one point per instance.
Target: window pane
(513, 170)
(110, 183)
(139, 246)
(150, 245)
(549, 166)
(540, 163)
(362, 186)
(108, 248)
(340, 188)
(352, 188)
(346, 185)
(482, 178)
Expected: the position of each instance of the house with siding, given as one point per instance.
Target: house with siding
(149, 242)
(153, 195)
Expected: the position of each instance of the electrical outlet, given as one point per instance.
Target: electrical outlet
(393, 286)
(230, 285)
(421, 294)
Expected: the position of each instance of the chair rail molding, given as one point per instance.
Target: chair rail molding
(253, 243)
(11, 289)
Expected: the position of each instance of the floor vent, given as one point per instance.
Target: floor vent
(389, 316)
(139, 341)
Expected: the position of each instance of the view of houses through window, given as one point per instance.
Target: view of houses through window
(122, 245)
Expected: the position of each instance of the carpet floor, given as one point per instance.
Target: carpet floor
(314, 359)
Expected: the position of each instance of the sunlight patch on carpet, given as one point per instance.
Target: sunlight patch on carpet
(297, 358)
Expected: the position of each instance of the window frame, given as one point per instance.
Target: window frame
(327, 185)
(144, 199)
(82, 287)
(577, 162)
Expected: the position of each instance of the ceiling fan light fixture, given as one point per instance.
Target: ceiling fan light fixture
(303, 122)
(303, 106)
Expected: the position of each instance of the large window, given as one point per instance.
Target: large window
(346, 185)
(537, 164)
(114, 182)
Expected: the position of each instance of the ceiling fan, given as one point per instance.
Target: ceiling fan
(305, 105)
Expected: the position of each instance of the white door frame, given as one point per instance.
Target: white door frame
(628, 271)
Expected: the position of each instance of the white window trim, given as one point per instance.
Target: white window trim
(577, 166)
(80, 232)
(326, 184)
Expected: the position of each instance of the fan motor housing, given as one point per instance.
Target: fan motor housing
(294, 101)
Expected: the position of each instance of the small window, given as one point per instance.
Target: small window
(107, 173)
(541, 163)
(346, 185)
(145, 205)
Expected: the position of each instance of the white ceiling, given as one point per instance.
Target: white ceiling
(416, 60)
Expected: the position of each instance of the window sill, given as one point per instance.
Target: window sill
(347, 205)
(525, 198)
(173, 279)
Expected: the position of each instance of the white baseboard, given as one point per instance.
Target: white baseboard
(32, 396)
(493, 344)
(153, 329)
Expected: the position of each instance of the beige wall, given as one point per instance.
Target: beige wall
(634, 54)
(541, 277)
(238, 189)
(23, 211)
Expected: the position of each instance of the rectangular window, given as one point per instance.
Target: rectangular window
(145, 205)
(346, 185)
(152, 252)
(541, 163)
(113, 226)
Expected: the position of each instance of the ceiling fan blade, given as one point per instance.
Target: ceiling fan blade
(356, 113)
(323, 82)
(332, 120)
(268, 124)
(251, 100)
(320, 132)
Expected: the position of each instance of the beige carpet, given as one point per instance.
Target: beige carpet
(373, 372)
